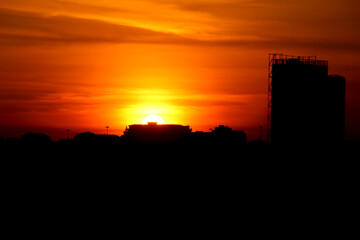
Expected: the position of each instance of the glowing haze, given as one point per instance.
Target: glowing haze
(85, 64)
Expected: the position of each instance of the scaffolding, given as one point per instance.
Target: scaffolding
(272, 57)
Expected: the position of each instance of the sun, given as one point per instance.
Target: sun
(153, 118)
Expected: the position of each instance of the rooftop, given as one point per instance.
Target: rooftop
(279, 58)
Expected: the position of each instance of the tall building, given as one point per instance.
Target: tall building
(336, 107)
(306, 106)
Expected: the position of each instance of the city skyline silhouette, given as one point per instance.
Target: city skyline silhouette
(226, 105)
(69, 68)
(301, 96)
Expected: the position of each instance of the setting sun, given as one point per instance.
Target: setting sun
(153, 118)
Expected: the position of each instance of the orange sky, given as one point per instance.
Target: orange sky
(85, 64)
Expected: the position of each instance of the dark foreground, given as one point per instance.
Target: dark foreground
(180, 156)
(114, 167)
(179, 190)
(184, 151)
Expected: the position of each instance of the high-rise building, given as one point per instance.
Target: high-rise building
(306, 106)
(336, 108)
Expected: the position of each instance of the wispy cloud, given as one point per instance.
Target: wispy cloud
(249, 29)
(25, 27)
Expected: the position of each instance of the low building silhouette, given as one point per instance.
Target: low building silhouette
(220, 137)
(35, 139)
(11, 141)
(225, 135)
(96, 139)
(153, 133)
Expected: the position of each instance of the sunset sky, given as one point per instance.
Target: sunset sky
(85, 64)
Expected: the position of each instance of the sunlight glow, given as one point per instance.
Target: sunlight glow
(153, 118)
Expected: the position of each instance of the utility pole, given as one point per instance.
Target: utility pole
(107, 130)
(68, 134)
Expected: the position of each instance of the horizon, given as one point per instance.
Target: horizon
(87, 64)
(57, 134)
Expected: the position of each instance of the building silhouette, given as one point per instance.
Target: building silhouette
(306, 106)
(153, 133)
(35, 139)
(336, 108)
(226, 136)
(88, 138)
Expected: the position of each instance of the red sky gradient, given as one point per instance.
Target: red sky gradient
(85, 64)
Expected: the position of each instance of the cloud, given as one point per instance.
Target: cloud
(244, 23)
(24, 27)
